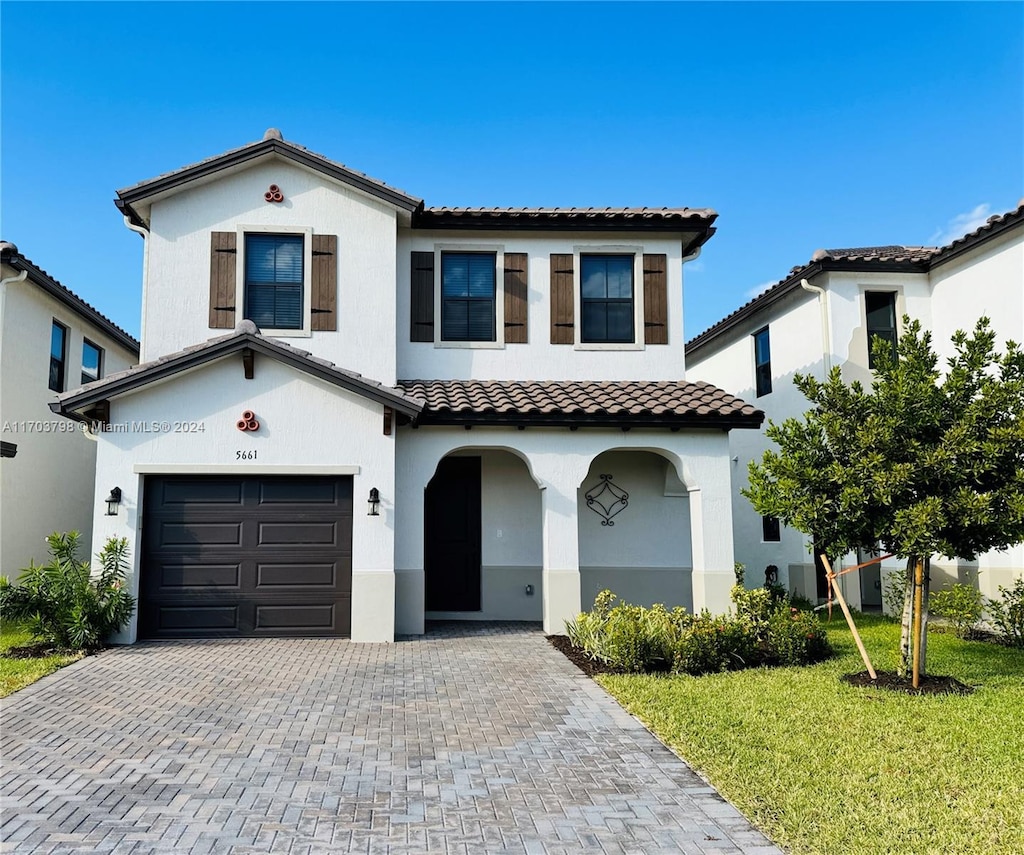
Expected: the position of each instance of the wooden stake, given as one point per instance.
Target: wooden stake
(849, 618)
(918, 597)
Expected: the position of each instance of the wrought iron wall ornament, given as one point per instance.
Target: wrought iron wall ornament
(607, 500)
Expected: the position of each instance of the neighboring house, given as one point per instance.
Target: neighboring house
(374, 413)
(822, 315)
(50, 341)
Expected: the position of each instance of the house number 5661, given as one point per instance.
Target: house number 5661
(246, 455)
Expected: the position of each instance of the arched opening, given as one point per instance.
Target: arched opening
(634, 530)
(482, 538)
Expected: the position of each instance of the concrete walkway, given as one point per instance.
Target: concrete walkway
(474, 739)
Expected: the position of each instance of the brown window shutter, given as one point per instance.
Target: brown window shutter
(223, 261)
(422, 302)
(324, 302)
(562, 314)
(516, 331)
(655, 299)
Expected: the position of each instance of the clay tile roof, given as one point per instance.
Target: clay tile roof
(9, 254)
(621, 403)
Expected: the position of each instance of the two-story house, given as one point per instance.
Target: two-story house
(355, 413)
(824, 314)
(50, 341)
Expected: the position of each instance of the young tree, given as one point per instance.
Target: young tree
(924, 463)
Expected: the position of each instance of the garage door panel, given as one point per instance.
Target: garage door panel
(296, 616)
(276, 562)
(200, 534)
(300, 534)
(219, 619)
(299, 492)
(200, 492)
(279, 576)
(176, 577)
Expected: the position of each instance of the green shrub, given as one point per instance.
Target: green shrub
(894, 593)
(796, 638)
(63, 604)
(764, 631)
(961, 605)
(1007, 614)
(711, 644)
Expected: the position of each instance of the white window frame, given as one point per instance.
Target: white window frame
(499, 295)
(637, 251)
(241, 231)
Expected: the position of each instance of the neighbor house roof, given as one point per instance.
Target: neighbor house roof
(247, 336)
(624, 403)
(272, 144)
(885, 259)
(10, 256)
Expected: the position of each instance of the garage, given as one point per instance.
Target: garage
(258, 556)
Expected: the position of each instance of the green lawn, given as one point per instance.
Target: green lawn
(822, 767)
(17, 673)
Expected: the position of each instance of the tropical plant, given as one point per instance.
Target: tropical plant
(1007, 614)
(62, 603)
(923, 463)
(962, 606)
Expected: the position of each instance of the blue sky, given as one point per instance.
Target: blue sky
(804, 125)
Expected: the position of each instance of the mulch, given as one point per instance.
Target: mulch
(588, 666)
(35, 651)
(930, 684)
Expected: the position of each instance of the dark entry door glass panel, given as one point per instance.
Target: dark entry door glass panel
(452, 536)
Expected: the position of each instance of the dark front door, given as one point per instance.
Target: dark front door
(253, 556)
(452, 536)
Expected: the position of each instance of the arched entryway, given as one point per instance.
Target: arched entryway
(482, 539)
(634, 530)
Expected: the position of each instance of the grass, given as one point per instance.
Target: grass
(822, 767)
(17, 673)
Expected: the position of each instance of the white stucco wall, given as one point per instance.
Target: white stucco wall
(176, 299)
(539, 359)
(306, 427)
(48, 486)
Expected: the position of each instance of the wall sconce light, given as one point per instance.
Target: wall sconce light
(113, 500)
(374, 503)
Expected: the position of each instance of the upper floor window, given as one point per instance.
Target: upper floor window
(606, 294)
(762, 363)
(467, 296)
(770, 531)
(880, 309)
(92, 362)
(58, 356)
(274, 279)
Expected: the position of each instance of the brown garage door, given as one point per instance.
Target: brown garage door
(258, 556)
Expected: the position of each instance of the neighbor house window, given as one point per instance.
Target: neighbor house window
(274, 280)
(92, 362)
(467, 296)
(762, 363)
(770, 529)
(58, 355)
(606, 292)
(880, 308)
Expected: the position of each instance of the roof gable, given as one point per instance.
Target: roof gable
(76, 402)
(131, 201)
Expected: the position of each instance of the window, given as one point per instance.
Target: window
(58, 356)
(274, 278)
(92, 362)
(467, 296)
(770, 530)
(606, 291)
(880, 308)
(762, 363)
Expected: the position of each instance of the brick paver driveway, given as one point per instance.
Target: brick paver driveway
(473, 739)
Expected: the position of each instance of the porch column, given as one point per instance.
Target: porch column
(713, 557)
(560, 477)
